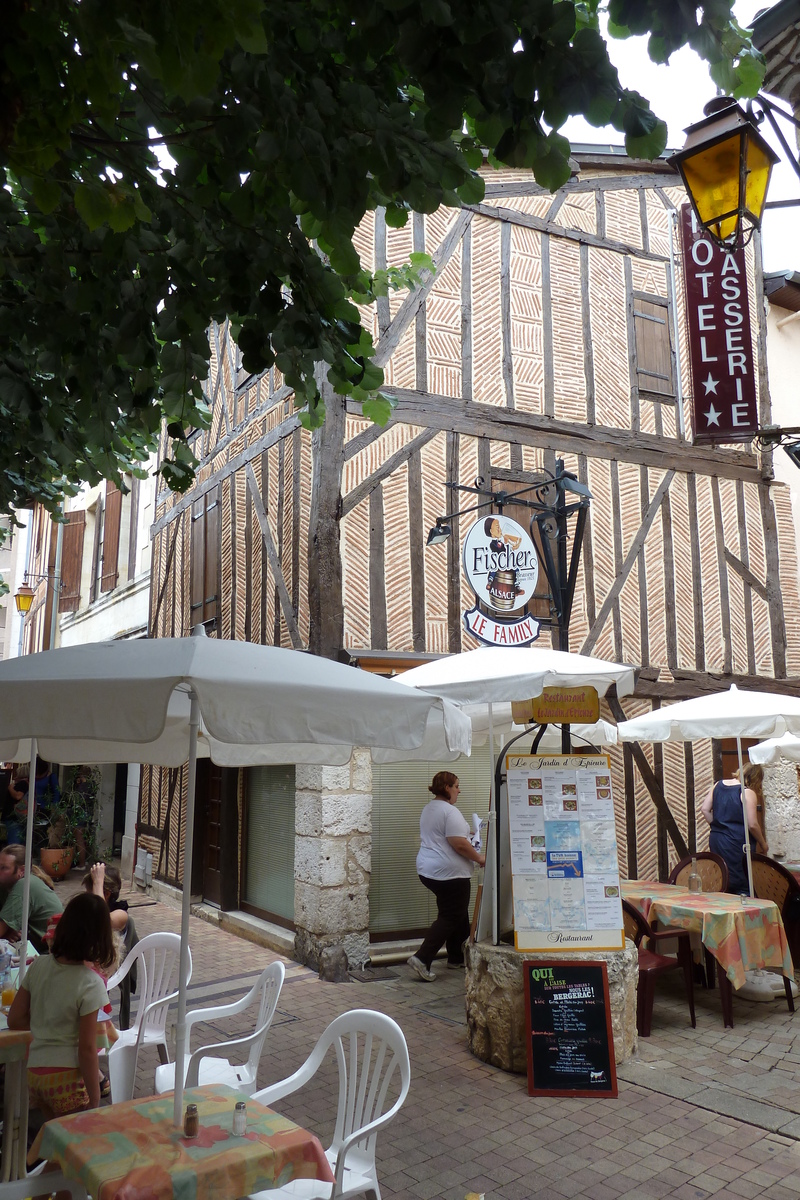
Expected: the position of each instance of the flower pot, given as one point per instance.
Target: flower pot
(56, 863)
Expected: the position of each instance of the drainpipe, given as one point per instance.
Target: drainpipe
(56, 581)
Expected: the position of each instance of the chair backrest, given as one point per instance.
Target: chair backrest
(636, 926)
(712, 869)
(370, 1048)
(263, 996)
(772, 881)
(157, 957)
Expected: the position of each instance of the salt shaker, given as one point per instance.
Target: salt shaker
(191, 1122)
(239, 1119)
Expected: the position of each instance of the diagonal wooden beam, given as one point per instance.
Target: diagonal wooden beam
(650, 782)
(414, 300)
(395, 460)
(746, 574)
(365, 438)
(274, 561)
(633, 552)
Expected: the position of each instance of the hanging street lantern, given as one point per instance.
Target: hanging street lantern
(24, 599)
(726, 166)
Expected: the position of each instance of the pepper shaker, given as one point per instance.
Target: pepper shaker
(239, 1119)
(191, 1121)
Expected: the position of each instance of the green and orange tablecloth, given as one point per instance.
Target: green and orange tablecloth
(741, 934)
(133, 1151)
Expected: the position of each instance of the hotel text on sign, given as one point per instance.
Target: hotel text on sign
(720, 343)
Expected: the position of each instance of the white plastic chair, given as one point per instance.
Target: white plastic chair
(158, 960)
(210, 1064)
(370, 1049)
(41, 1183)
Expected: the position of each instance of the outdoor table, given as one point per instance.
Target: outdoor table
(134, 1149)
(742, 935)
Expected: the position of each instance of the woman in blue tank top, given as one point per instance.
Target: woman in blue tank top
(722, 809)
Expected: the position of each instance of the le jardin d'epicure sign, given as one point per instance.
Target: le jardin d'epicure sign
(502, 567)
(724, 405)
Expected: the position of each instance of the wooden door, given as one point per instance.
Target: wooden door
(208, 838)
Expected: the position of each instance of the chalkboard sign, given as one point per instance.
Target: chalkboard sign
(570, 1045)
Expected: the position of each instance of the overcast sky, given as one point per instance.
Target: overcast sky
(677, 94)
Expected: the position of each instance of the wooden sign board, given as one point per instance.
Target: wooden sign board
(568, 1026)
(559, 706)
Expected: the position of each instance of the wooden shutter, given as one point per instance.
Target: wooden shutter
(113, 514)
(653, 347)
(72, 561)
(204, 567)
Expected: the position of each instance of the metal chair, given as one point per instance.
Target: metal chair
(370, 1050)
(652, 964)
(157, 957)
(210, 1064)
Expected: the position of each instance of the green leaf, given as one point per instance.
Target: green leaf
(46, 194)
(93, 204)
(379, 408)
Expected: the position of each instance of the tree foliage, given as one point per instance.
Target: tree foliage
(286, 123)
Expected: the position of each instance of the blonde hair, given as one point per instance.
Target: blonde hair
(753, 777)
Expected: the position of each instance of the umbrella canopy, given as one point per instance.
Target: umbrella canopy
(776, 749)
(157, 700)
(493, 674)
(722, 714)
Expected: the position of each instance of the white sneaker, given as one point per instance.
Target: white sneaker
(418, 965)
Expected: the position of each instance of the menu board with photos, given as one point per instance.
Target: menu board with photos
(565, 873)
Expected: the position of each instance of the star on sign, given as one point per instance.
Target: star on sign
(712, 416)
(710, 384)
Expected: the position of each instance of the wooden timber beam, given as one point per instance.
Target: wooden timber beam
(325, 578)
(647, 179)
(414, 300)
(529, 221)
(479, 419)
(685, 684)
(650, 782)
(746, 574)
(363, 489)
(630, 559)
(274, 561)
(282, 430)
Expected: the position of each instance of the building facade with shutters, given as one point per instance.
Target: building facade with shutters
(553, 328)
(91, 576)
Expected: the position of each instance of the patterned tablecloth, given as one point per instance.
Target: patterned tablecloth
(132, 1151)
(742, 935)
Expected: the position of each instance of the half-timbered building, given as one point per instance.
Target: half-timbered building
(553, 328)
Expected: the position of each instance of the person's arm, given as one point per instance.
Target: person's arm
(707, 807)
(119, 920)
(751, 804)
(11, 935)
(464, 847)
(14, 793)
(98, 874)
(19, 1015)
(87, 1056)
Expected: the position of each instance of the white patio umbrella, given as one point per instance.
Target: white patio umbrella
(495, 675)
(733, 713)
(146, 701)
(772, 751)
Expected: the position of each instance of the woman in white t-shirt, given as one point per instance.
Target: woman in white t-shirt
(445, 864)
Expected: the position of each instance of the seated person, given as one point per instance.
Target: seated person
(107, 882)
(43, 900)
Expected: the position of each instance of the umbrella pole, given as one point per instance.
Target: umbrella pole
(180, 1031)
(492, 831)
(26, 880)
(744, 813)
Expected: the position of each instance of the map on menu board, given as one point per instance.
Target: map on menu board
(564, 868)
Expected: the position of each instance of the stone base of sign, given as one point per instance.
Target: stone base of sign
(496, 1002)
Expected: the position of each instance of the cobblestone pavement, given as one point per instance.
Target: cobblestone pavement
(700, 1113)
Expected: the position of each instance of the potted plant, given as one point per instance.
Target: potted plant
(72, 823)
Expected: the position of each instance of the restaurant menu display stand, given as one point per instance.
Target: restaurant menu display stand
(564, 867)
(568, 1021)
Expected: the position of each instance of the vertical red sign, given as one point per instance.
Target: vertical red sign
(724, 407)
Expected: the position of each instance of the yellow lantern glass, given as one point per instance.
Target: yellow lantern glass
(726, 166)
(24, 599)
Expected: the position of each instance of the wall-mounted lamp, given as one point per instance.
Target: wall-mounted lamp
(439, 533)
(23, 597)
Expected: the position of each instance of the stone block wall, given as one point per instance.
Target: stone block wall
(333, 859)
(782, 811)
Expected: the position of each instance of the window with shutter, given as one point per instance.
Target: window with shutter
(654, 365)
(113, 514)
(72, 561)
(97, 550)
(204, 566)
